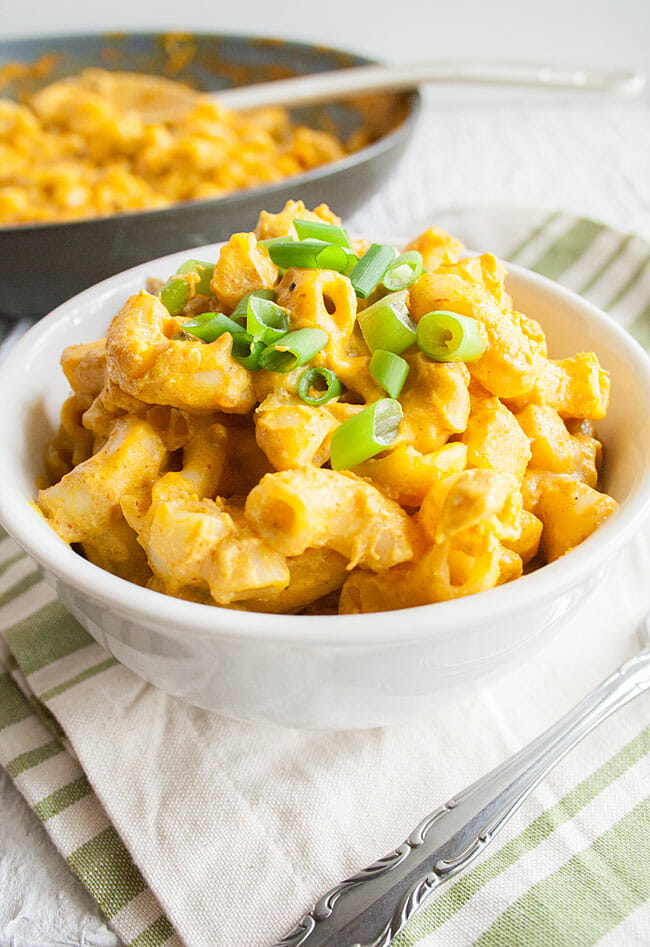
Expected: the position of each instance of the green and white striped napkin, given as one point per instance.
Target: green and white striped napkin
(190, 828)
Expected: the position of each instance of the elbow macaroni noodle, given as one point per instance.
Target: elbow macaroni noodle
(178, 468)
(92, 145)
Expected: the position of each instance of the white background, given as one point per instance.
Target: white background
(605, 32)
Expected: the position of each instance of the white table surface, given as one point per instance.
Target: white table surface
(588, 155)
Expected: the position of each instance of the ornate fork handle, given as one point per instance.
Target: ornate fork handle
(368, 909)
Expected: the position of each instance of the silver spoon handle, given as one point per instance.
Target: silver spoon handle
(343, 83)
(368, 909)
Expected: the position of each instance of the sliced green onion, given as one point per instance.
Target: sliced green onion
(312, 255)
(333, 257)
(387, 324)
(449, 337)
(319, 230)
(318, 385)
(271, 241)
(241, 309)
(174, 295)
(210, 325)
(266, 321)
(367, 433)
(289, 252)
(371, 267)
(246, 350)
(389, 370)
(293, 349)
(203, 270)
(403, 271)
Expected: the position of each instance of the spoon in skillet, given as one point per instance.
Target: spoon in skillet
(157, 99)
(344, 83)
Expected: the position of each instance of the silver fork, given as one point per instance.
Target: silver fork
(371, 907)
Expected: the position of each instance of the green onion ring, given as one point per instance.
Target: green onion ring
(389, 370)
(272, 241)
(246, 350)
(319, 230)
(312, 254)
(368, 272)
(449, 337)
(241, 309)
(387, 324)
(406, 269)
(308, 382)
(210, 325)
(266, 321)
(293, 349)
(369, 432)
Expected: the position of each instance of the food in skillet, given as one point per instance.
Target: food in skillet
(313, 421)
(112, 142)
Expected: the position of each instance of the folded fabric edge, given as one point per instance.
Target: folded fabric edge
(77, 823)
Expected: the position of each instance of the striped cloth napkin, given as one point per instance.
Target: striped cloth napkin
(188, 828)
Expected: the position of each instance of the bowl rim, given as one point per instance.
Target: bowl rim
(264, 192)
(24, 522)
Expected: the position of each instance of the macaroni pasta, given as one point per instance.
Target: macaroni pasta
(182, 464)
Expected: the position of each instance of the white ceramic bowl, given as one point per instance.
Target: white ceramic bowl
(317, 671)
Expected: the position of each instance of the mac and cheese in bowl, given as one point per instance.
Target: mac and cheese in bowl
(313, 424)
